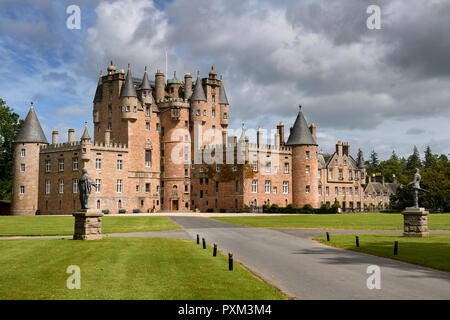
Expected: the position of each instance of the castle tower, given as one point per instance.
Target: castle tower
(26, 166)
(128, 98)
(159, 86)
(223, 102)
(304, 164)
(145, 89)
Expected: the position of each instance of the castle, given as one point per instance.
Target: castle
(149, 153)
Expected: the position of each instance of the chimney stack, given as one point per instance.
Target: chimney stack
(159, 86)
(346, 148)
(107, 137)
(280, 128)
(71, 135)
(187, 85)
(55, 137)
(339, 148)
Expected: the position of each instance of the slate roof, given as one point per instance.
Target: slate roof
(145, 84)
(31, 130)
(85, 135)
(300, 134)
(222, 95)
(128, 89)
(198, 94)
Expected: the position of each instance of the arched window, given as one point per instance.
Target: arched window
(98, 204)
(119, 204)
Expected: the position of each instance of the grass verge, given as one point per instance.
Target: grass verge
(124, 268)
(433, 252)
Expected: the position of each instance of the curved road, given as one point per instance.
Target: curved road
(305, 269)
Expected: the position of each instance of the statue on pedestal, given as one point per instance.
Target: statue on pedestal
(84, 186)
(415, 183)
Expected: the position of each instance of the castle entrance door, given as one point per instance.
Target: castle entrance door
(175, 205)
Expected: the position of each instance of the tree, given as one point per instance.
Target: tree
(390, 167)
(430, 158)
(414, 161)
(9, 128)
(443, 158)
(394, 156)
(373, 163)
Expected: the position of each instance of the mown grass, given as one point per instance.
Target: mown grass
(124, 268)
(48, 225)
(433, 251)
(362, 221)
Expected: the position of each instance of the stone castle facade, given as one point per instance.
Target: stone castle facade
(150, 152)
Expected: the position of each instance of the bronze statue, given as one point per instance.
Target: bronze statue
(84, 186)
(415, 183)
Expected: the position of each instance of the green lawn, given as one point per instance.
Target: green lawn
(48, 225)
(124, 268)
(433, 251)
(363, 221)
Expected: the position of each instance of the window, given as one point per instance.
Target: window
(61, 186)
(185, 124)
(23, 153)
(255, 165)
(98, 204)
(22, 167)
(285, 187)
(213, 113)
(148, 158)
(307, 155)
(127, 109)
(341, 176)
(119, 185)
(98, 185)
(268, 166)
(201, 180)
(47, 186)
(109, 126)
(75, 185)
(307, 189)
(343, 191)
(330, 174)
(217, 186)
(201, 169)
(236, 186)
(22, 189)
(225, 115)
(234, 167)
(267, 186)
(98, 164)
(356, 191)
(192, 164)
(350, 174)
(350, 191)
(48, 165)
(75, 164)
(275, 190)
(147, 126)
(137, 188)
(254, 186)
(61, 164)
(319, 174)
(147, 111)
(286, 167)
(308, 169)
(119, 165)
(217, 167)
(197, 112)
(157, 127)
(275, 169)
(213, 129)
(147, 188)
(213, 99)
(356, 175)
(336, 192)
(327, 191)
(320, 190)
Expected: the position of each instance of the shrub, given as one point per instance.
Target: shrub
(105, 211)
(325, 208)
(209, 210)
(136, 210)
(307, 208)
(122, 211)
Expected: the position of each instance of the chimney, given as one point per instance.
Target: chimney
(259, 137)
(280, 128)
(107, 137)
(394, 178)
(277, 140)
(339, 148)
(159, 86)
(224, 137)
(346, 148)
(312, 129)
(55, 137)
(71, 135)
(187, 85)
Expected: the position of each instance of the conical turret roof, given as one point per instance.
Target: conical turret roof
(300, 134)
(31, 130)
(128, 89)
(145, 85)
(85, 135)
(198, 94)
(222, 95)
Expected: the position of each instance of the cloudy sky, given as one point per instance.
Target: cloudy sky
(379, 90)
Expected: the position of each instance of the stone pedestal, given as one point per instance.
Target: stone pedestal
(88, 224)
(415, 222)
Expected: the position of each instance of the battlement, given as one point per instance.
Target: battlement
(65, 146)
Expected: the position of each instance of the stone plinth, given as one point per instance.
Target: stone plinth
(415, 222)
(88, 224)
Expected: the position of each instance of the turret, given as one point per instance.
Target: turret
(25, 179)
(304, 164)
(198, 100)
(85, 144)
(187, 86)
(223, 102)
(173, 86)
(146, 88)
(128, 98)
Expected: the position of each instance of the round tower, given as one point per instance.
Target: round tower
(128, 98)
(25, 181)
(159, 86)
(304, 164)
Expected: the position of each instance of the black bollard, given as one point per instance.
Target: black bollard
(357, 241)
(198, 239)
(204, 243)
(328, 236)
(215, 250)
(230, 261)
(395, 248)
